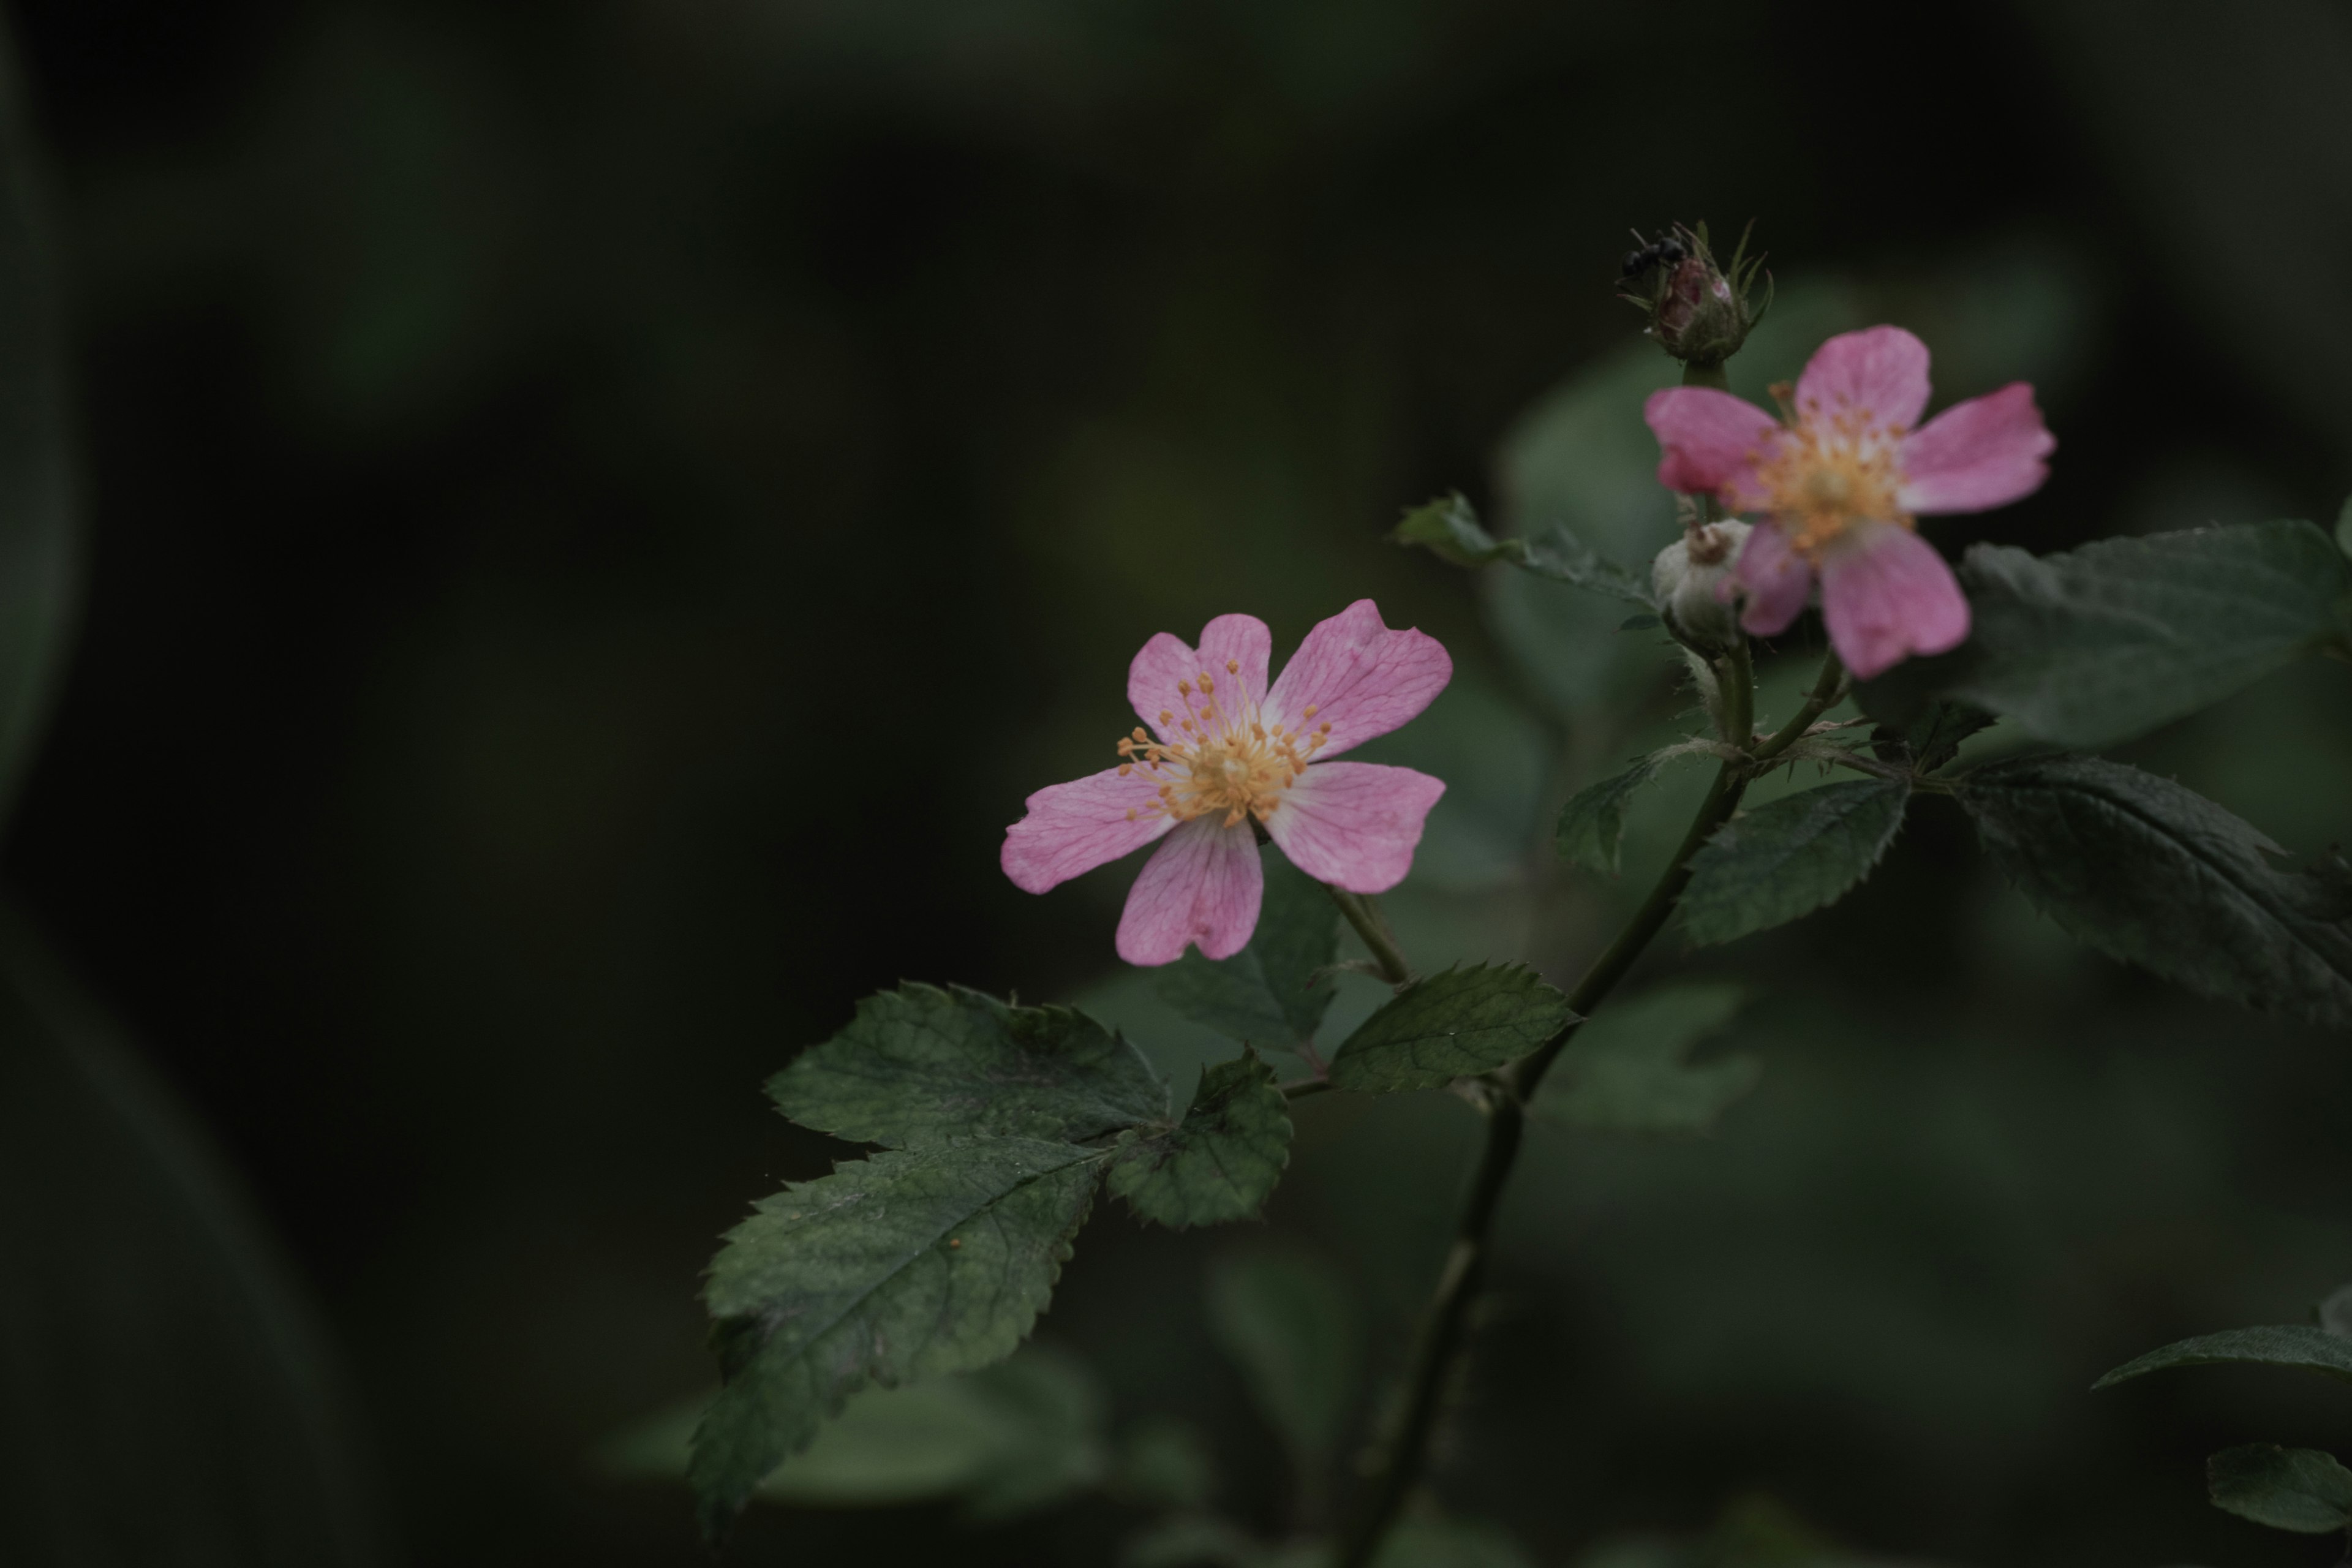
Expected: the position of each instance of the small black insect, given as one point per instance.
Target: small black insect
(1665, 252)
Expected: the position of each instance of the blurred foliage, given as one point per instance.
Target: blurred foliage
(565, 479)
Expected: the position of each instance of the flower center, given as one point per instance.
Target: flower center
(1830, 470)
(1226, 759)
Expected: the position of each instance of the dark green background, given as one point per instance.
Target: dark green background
(599, 513)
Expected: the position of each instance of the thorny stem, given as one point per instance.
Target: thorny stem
(1509, 1092)
(1824, 694)
(1365, 916)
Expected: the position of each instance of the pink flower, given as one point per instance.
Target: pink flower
(1842, 477)
(1223, 752)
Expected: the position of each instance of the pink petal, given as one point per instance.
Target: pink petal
(1881, 370)
(1886, 595)
(1166, 659)
(1775, 580)
(1354, 825)
(1974, 456)
(1074, 828)
(1202, 886)
(1712, 441)
(1362, 679)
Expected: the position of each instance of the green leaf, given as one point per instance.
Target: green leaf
(911, 1265)
(2155, 874)
(2300, 1489)
(1219, 1163)
(1790, 857)
(1276, 990)
(1627, 1070)
(2335, 1314)
(1025, 1433)
(1592, 823)
(1193, 1540)
(1448, 1544)
(1449, 527)
(1463, 1022)
(2295, 1346)
(1294, 1331)
(2100, 643)
(2344, 527)
(1933, 737)
(919, 1065)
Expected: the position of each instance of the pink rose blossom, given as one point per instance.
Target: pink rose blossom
(1842, 477)
(1223, 752)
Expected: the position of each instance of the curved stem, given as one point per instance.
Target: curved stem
(1365, 916)
(1827, 688)
(1507, 1098)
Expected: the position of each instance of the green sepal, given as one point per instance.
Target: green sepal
(1454, 1024)
(2301, 1489)
(922, 1065)
(1628, 1070)
(914, 1264)
(1220, 1161)
(1789, 859)
(2153, 873)
(1275, 991)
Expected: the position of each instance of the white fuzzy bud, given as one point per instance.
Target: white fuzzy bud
(1687, 578)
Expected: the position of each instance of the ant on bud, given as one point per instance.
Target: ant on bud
(1664, 252)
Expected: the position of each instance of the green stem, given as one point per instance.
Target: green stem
(1714, 376)
(1826, 687)
(1465, 1263)
(1365, 916)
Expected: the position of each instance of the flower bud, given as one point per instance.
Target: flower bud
(1689, 577)
(1700, 312)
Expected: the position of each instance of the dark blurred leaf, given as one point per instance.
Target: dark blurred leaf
(157, 1341)
(2290, 1344)
(1165, 1464)
(2300, 1489)
(1276, 990)
(38, 522)
(1449, 527)
(1297, 1336)
(1462, 1022)
(1790, 857)
(1219, 1163)
(2336, 1313)
(920, 1065)
(2344, 527)
(1933, 737)
(911, 1265)
(1448, 1544)
(2100, 643)
(1626, 1070)
(1593, 821)
(2153, 873)
(1194, 1540)
(1007, 1438)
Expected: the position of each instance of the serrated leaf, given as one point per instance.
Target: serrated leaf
(1450, 1025)
(2301, 1489)
(1933, 737)
(914, 1264)
(1627, 1070)
(2297, 1345)
(1592, 823)
(2153, 873)
(1790, 857)
(2103, 643)
(1449, 527)
(1275, 991)
(1219, 1163)
(922, 1065)
(1294, 1333)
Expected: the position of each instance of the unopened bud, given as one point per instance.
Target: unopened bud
(1688, 579)
(1699, 312)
